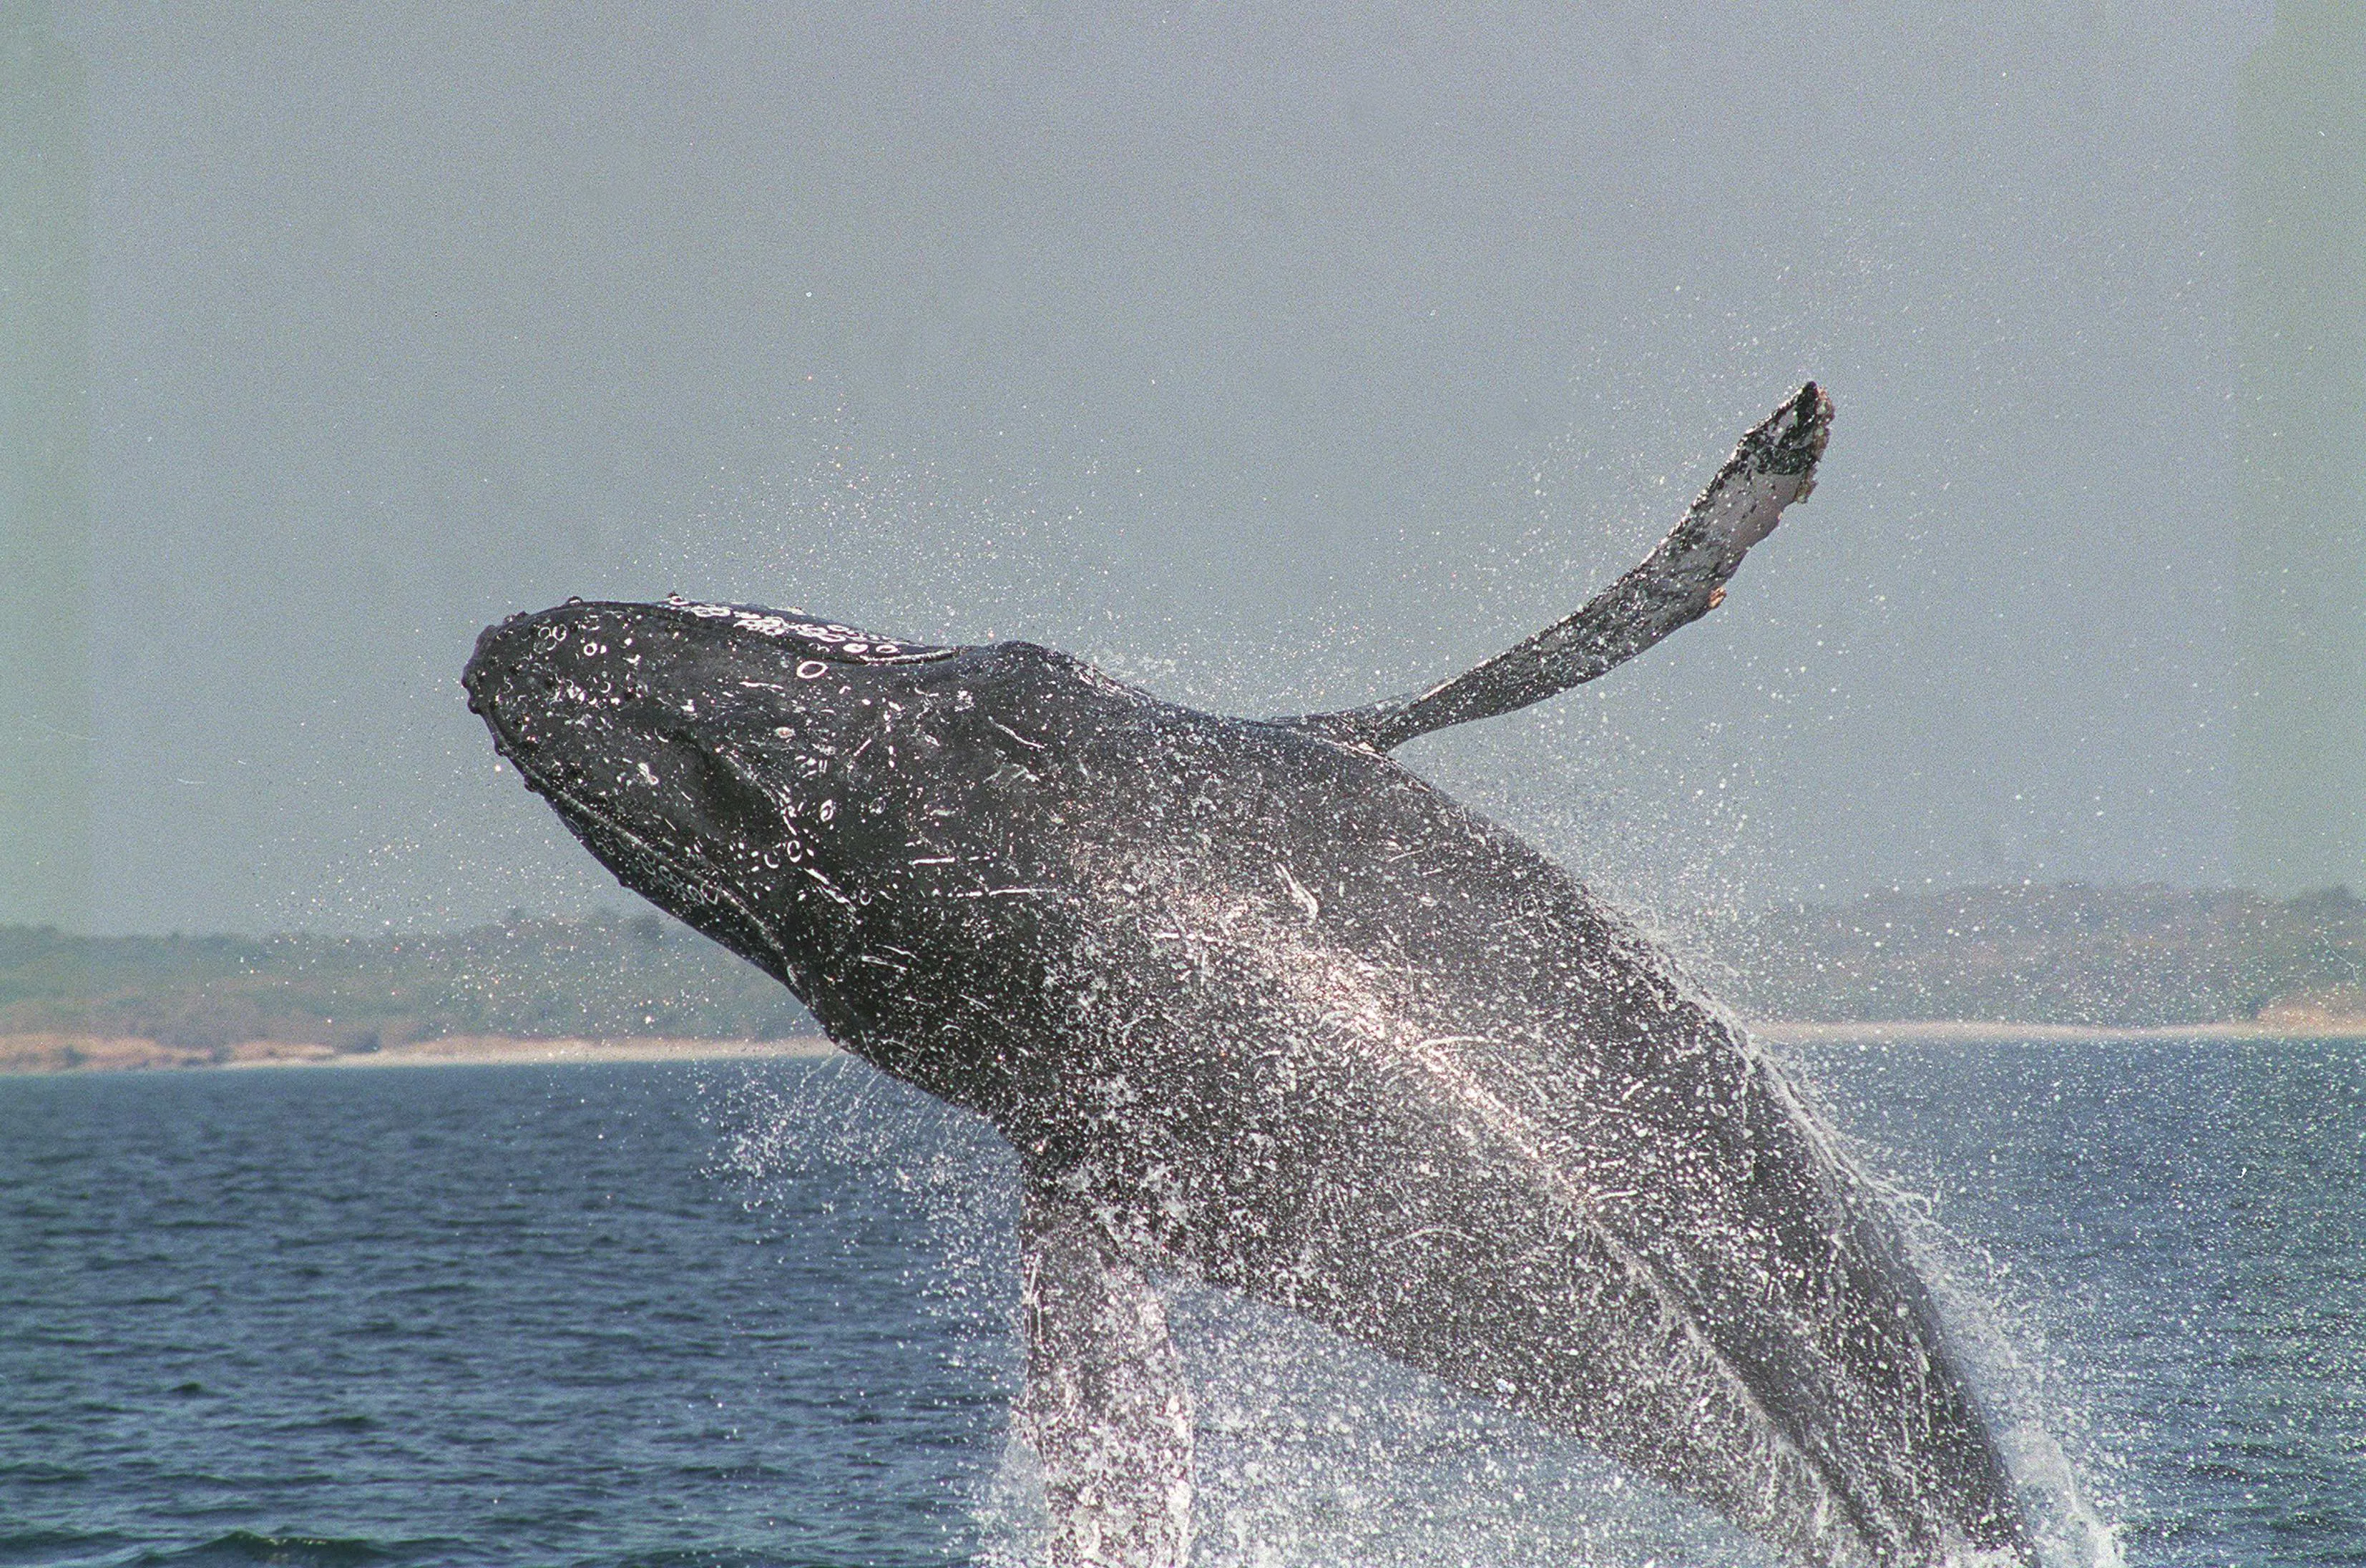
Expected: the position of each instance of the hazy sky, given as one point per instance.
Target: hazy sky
(1278, 358)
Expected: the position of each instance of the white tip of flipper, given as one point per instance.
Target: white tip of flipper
(1772, 467)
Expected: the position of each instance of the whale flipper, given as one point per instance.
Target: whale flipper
(1106, 1405)
(1677, 583)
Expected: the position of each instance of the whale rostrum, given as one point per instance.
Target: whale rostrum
(1257, 1006)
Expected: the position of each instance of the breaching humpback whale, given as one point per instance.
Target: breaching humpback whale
(1257, 1005)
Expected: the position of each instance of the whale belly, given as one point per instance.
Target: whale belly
(1501, 1144)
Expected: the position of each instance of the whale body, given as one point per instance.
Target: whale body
(1257, 1005)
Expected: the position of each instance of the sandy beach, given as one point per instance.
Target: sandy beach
(88, 1053)
(1960, 1032)
(85, 1054)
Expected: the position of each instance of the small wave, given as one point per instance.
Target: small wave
(43, 1474)
(349, 1423)
(53, 1546)
(241, 1547)
(741, 1472)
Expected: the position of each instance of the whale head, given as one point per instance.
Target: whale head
(693, 748)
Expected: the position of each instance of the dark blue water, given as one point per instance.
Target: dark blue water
(730, 1315)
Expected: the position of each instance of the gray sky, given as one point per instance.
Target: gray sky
(1278, 358)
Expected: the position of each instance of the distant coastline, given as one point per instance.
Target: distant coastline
(53, 1053)
(1967, 1031)
(2067, 962)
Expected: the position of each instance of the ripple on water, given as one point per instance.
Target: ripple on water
(611, 1316)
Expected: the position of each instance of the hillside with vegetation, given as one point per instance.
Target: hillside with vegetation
(607, 978)
(2065, 954)
(2103, 956)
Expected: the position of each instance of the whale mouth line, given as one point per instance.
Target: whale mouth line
(698, 879)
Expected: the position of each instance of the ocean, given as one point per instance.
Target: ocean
(761, 1313)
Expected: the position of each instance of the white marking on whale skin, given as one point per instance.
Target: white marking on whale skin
(826, 886)
(649, 774)
(1298, 892)
(1031, 745)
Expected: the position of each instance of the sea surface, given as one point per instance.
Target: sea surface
(761, 1313)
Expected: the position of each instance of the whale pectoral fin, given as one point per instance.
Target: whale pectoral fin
(1677, 583)
(1106, 1405)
